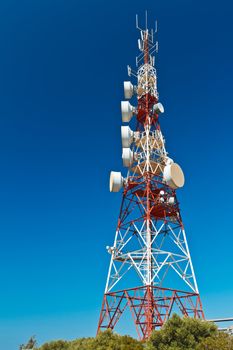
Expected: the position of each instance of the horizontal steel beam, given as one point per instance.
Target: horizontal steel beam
(221, 319)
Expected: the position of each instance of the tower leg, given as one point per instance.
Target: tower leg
(150, 307)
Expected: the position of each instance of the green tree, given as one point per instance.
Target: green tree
(221, 341)
(181, 334)
(111, 341)
(177, 334)
(103, 341)
(55, 345)
(82, 344)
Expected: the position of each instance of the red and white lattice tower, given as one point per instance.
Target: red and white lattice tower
(150, 242)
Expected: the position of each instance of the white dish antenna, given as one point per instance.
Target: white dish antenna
(158, 108)
(126, 136)
(128, 89)
(128, 157)
(116, 181)
(127, 111)
(173, 175)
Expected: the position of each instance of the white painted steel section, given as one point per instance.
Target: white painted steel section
(153, 270)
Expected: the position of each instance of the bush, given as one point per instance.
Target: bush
(177, 334)
(104, 341)
(221, 341)
(55, 345)
(181, 334)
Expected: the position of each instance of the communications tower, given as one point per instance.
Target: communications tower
(151, 271)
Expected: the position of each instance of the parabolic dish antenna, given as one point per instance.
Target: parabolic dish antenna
(128, 89)
(116, 181)
(173, 175)
(126, 136)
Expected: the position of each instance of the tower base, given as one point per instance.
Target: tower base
(150, 307)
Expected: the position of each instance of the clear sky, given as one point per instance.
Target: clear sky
(62, 67)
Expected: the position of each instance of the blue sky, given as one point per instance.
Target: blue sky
(62, 67)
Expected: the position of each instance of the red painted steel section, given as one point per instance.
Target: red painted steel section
(150, 307)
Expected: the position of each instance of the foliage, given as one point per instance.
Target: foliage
(221, 341)
(181, 334)
(55, 345)
(104, 341)
(177, 334)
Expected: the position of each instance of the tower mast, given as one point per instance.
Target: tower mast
(150, 238)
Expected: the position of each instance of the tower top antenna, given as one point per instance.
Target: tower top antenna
(146, 43)
(146, 24)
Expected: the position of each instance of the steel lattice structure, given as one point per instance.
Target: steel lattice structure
(150, 239)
